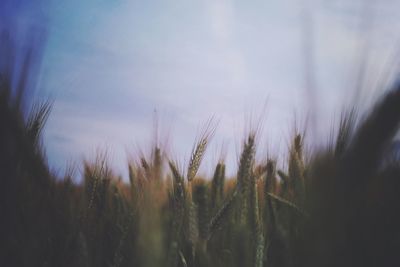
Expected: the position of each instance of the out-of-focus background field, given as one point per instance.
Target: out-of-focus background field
(274, 143)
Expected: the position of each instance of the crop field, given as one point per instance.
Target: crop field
(336, 206)
(331, 205)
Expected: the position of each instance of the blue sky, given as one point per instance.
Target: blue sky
(108, 64)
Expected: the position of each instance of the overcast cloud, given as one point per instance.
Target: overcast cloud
(109, 64)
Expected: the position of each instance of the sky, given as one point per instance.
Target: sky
(109, 64)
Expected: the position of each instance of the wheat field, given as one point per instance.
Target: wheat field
(332, 206)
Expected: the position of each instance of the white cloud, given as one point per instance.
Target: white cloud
(109, 67)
